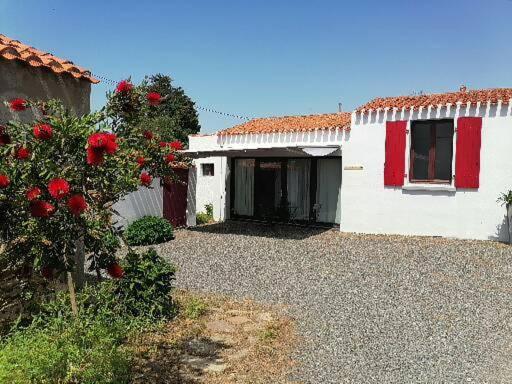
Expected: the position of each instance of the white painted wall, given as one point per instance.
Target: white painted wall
(211, 189)
(144, 202)
(369, 207)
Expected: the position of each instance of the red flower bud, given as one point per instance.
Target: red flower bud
(4, 181)
(18, 104)
(22, 153)
(77, 204)
(148, 135)
(58, 188)
(170, 158)
(124, 86)
(154, 98)
(115, 271)
(40, 208)
(95, 156)
(141, 161)
(176, 145)
(43, 131)
(145, 179)
(33, 193)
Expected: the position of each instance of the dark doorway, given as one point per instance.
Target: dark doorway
(293, 190)
(175, 199)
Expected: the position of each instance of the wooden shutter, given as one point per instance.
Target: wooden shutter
(394, 167)
(467, 152)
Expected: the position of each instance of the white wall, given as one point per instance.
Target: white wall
(144, 202)
(211, 189)
(369, 207)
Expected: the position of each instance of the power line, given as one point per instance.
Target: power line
(206, 109)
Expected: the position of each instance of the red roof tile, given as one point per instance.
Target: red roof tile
(464, 96)
(291, 124)
(14, 50)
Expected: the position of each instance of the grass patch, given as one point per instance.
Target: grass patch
(269, 334)
(194, 307)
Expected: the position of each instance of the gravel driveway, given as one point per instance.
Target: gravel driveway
(370, 309)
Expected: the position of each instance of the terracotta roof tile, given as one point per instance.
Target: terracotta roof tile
(291, 124)
(464, 96)
(14, 50)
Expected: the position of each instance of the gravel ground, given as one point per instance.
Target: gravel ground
(369, 309)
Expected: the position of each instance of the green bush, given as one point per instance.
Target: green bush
(145, 289)
(148, 230)
(58, 348)
(205, 217)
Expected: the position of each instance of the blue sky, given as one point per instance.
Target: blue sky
(265, 58)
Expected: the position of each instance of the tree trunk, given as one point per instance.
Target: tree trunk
(79, 270)
(72, 294)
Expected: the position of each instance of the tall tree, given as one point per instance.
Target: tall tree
(178, 117)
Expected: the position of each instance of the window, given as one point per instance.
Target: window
(207, 169)
(431, 151)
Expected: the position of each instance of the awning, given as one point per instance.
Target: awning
(267, 152)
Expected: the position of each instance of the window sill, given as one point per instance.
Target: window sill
(429, 187)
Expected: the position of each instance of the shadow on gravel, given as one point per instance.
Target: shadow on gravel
(270, 230)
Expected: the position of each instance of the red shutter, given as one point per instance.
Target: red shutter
(467, 152)
(394, 168)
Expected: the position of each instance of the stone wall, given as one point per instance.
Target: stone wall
(18, 79)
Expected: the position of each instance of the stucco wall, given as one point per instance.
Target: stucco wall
(369, 207)
(18, 79)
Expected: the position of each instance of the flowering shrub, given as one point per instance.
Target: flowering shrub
(61, 175)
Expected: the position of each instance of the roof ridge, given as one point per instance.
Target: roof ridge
(492, 95)
(39, 58)
(296, 116)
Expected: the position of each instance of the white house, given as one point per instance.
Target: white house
(424, 165)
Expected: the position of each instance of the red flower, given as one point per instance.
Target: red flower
(145, 179)
(22, 153)
(98, 140)
(170, 158)
(176, 145)
(18, 104)
(58, 188)
(4, 181)
(33, 193)
(154, 98)
(141, 161)
(148, 135)
(111, 145)
(43, 131)
(40, 208)
(94, 156)
(47, 272)
(77, 204)
(124, 86)
(115, 271)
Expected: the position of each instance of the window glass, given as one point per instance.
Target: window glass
(444, 149)
(421, 141)
(208, 169)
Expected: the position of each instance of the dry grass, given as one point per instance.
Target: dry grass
(216, 340)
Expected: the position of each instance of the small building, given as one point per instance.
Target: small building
(414, 165)
(29, 73)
